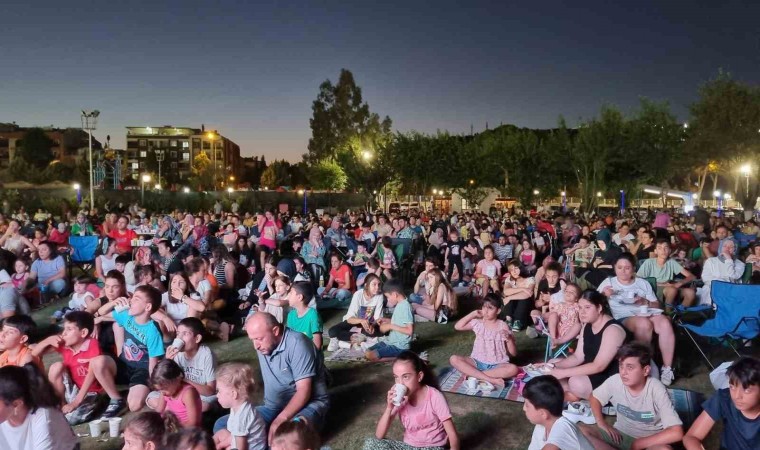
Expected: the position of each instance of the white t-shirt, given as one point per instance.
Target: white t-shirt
(247, 422)
(564, 434)
(360, 305)
(620, 308)
(79, 302)
(200, 368)
(203, 287)
(46, 429)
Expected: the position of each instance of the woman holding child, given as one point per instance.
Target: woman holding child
(594, 358)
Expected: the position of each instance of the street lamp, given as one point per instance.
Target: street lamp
(564, 201)
(186, 190)
(145, 179)
(303, 192)
(366, 155)
(160, 155)
(158, 186)
(78, 188)
(212, 137)
(89, 123)
(535, 192)
(746, 169)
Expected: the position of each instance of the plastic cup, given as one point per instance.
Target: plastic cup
(95, 428)
(178, 343)
(400, 393)
(120, 308)
(471, 383)
(113, 426)
(643, 309)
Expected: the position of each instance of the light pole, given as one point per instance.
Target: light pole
(89, 123)
(716, 194)
(564, 201)
(145, 179)
(78, 188)
(212, 137)
(160, 155)
(622, 202)
(746, 169)
(303, 192)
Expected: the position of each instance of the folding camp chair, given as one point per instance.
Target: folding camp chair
(737, 317)
(563, 349)
(747, 275)
(82, 254)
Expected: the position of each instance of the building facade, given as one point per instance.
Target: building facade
(69, 144)
(170, 150)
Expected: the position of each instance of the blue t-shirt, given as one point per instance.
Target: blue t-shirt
(402, 316)
(141, 342)
(739, 432)
(46, 269)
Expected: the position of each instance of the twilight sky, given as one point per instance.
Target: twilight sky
(251, 69)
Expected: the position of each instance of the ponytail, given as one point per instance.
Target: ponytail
(150, 426)
(28, 384)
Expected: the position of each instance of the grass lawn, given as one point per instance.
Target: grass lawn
(358, 390)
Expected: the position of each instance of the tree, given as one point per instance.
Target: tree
(276, 175)
(724, 133)
(203, 172)
(36, 148)
(327, 175)
(339, 114)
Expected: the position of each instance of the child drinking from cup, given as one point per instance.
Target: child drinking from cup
(421, 407)
(196, 359)
(494, 344)
(175, 394)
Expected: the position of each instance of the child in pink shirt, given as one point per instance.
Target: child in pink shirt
(176, 395)
(422, 409)
(494, 345)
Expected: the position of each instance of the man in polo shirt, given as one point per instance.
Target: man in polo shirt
(293, 374)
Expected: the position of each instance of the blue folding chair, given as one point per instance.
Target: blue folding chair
(737, 317)
(83, 253)
(562, 350)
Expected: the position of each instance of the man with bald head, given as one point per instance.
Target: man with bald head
(293, 374)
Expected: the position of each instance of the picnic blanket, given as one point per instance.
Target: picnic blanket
(452, 380)
(346, 354)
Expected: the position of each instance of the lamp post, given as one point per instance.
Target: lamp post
(89, 123)
(186, 190)
(212, 137)
(564, 201)
(622, 202)
(78, 188)
(145, 179)
(303, 193)
(716, 194)
(746, 169)
(160, 155)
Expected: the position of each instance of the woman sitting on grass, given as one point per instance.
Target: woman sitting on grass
(442, 298)
(423, 410)
(494, 345)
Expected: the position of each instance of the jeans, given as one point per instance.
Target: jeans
(341, 300)
(55, 287)
(315, 413)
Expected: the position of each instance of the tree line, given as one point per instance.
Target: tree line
(352, 148)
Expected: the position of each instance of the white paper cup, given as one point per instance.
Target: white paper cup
(113, 426)
(178, 343)
(400, 393)
(95, 428)
(471, 383)
(120, 308)
(643, 309)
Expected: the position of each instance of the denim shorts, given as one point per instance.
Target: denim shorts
(384, 350)
(481, 366)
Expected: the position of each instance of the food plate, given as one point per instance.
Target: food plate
(485, 386)
(650, 312)
(537, 370)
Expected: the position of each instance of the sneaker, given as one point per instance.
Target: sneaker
(115, 407)
(333, 345)
(442, 316)
(667, 376)
(517, 325)
(531, 332)
(579, 412)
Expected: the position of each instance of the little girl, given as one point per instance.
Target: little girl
(175, 394)
(564, 322)
(277, 303)
(80, 298)
(388, 264)
(146, 430)
(20, 281)
(494, 345)
(423, 410)
(246, 429)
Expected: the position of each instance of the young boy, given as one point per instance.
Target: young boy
(142, 345)
(738, 407)
(196, 359)
(645, 415)
(15, 337)
(301, 317)
(399, 328)
(453, 256)
(74, 379)
(543, 408)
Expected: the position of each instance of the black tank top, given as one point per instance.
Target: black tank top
(592, 342)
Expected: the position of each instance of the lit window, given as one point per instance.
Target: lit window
(135, 166)
(186, 156)
(143, 154)
(185, 144)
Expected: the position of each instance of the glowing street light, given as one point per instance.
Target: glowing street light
(746, 169)
(366, 155)
(186, 190)
(599, 194)
(77, 187)
(158, 186)
(535, 192)
(230, 190)
(145, 179)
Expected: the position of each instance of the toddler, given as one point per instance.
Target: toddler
(246, 429)
(20, 281)
(80, 298)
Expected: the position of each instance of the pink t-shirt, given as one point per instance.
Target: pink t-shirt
(491, 270)
(423, 423)
(269, 234)
(490, 345)
(176, 406)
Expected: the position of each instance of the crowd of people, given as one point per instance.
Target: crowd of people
(132, 335)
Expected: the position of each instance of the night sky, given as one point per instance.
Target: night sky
(252, 69)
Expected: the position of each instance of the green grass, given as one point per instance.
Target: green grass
(358, 390)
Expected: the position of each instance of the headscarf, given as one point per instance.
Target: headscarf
(315, 238)
(661, 220)
(287, 267)
(605, 236)
(172, 223)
